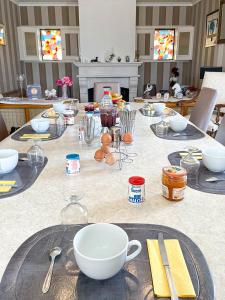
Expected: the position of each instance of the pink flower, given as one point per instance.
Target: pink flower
(59, 82)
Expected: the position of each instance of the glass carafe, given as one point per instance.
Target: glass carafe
(74, 212)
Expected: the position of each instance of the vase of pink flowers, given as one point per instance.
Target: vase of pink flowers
(64, 82)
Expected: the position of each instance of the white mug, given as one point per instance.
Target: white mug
(8, 160)
(101, 250)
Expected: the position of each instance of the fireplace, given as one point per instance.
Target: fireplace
(124, 73)
(123, 91)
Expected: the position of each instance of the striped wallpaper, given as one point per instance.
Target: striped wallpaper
(9, 56)
(158, 73)
(47, 73)
(212, 56)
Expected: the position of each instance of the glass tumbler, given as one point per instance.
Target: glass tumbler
(74, 212)
(35, 155)
(88, 129)
(189, 162)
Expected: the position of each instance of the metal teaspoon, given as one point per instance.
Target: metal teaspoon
(53, 254)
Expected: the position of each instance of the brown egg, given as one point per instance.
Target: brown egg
(127, 138)
(105, 149)
(106, 139)
(110, 159)
(99, 155)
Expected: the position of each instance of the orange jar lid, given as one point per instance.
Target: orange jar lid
(174, 171)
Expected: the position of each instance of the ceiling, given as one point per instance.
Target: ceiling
(75, 2)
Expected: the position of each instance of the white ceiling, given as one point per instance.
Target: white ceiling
(75, 2)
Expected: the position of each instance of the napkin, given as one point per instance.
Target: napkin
(6, 189)
(178, 266)
(35, 136)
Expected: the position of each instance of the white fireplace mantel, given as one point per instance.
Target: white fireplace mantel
(124, 73)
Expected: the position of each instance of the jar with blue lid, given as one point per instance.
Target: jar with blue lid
(72, 164)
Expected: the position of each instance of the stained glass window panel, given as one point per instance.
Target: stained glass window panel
(164, 41)
(2, 35)
(51, 44)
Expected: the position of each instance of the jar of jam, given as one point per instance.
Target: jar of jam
(174, 181)
(69, 117)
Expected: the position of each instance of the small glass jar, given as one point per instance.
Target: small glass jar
(174, 181)
(72, 164)
(69, 117)
(136, 190)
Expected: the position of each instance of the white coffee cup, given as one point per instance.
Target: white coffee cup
(40, 125)
(159, 107)
(59, 107)
(8, 160)
(178, 123)
(101, 250)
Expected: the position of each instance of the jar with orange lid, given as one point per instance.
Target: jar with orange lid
(174, 181)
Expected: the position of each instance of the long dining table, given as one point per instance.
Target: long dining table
(104, 192)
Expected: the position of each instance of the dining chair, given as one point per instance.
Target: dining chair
(99, 91)
(216, 80)
(203, 110)
(220, 136)
(3, 130)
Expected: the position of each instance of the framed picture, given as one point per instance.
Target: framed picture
(51, 44)
(212, 23)
(164, 43)
(34, 91)
(2, 35)
(221, 29)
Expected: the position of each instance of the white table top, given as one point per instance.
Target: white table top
(199, 215)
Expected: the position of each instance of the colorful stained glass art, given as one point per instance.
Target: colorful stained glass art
(2, 35)
(51, 44)
(164, 42)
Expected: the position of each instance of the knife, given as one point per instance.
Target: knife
(166, 265)
(9, 185)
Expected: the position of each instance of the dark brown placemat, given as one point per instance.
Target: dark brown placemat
(25, 273)
(54, 133)
(198, 182)
(192, 133)
(23, 174)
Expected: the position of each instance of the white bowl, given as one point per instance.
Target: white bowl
(159, 107)
(214, 159)
(178, 123)
(101, 250)
(40, 125)
(59, 107)
(8, 160)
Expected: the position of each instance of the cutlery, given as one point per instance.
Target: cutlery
(53, 254)
(23, 159)
(214, 179)
(181, 134)
(166, 265)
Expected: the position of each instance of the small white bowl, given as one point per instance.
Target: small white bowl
(159, 107)
(8, 160)
(214, 159)
(59, 107)
(40, 125)
(178, 123)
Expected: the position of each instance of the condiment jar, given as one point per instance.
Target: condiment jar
(72, 164)
(136, 189)
(174, 181)
(69, 117)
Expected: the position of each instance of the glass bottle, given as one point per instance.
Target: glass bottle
(74, 212)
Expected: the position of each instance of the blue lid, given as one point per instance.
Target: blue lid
(73, 156)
